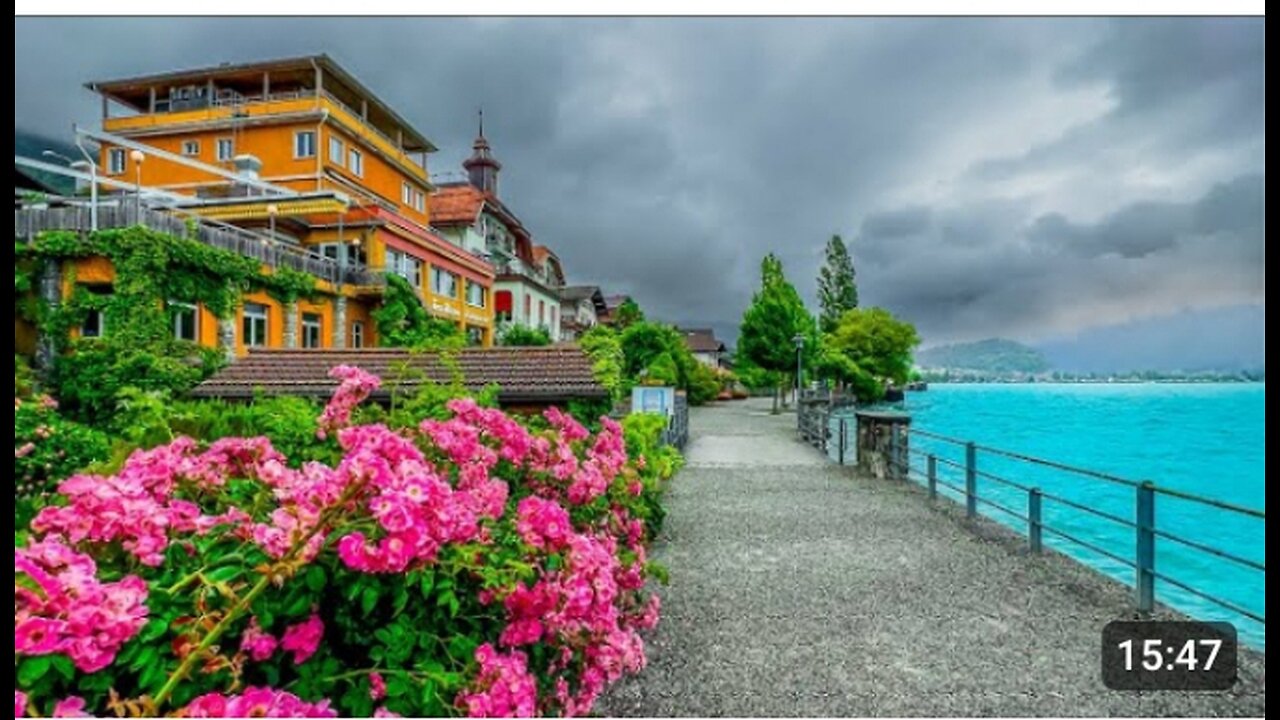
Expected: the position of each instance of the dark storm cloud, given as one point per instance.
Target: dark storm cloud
(665, 157)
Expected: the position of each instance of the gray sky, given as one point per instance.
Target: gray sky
(1029, 179)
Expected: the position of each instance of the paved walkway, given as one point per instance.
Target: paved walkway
(800, 589)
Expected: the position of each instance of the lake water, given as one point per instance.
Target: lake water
(1204, 439)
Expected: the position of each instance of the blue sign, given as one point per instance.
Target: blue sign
(660, 400)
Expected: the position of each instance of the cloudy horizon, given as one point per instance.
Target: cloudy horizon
(1035, 179)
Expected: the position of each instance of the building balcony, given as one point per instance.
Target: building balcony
(29, 222)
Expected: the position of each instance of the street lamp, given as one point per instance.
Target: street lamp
(137, 156)
(799, 341)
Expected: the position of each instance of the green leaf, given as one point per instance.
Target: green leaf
(315, 578)
(369, 600)
(427, 582)
(64, 666)
(397, 686)
(31, 669)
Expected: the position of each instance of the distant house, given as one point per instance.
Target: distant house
(611, 305)
(580, 309)
(529, 379)
(703, 344)
(526, 291)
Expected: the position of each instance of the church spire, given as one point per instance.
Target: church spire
(482, 167)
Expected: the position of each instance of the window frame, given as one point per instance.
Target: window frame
(355, 162)
(229, 144)
(248, 316)
(112, 155)
(191, 148)
(439, 272)
(300, 153)
(484, 294)
(177, 320)
(312, 322)
(357, 334)
(339, 158)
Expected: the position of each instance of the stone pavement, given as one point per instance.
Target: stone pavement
(798, 588)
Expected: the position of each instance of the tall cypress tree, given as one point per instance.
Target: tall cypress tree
(837, 288)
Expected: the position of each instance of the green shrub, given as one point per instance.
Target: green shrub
(288, 421)
(403, 321)
(48, 448)
(522, 336)
(704, 385)
(603, 346)
(88, 380)
(662, 371)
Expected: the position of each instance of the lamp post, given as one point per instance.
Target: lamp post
(799, 341)
(137, 156)
(93, 182)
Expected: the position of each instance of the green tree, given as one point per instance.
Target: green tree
(869, 348)
(628, 314)
(837, 288)
(403, 321)
(775, 317)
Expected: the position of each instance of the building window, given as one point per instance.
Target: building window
(226, 149)
(337, 151)
(186, 320)
(311, 328)
(555, 326)
(94, 324)
(413, 197)
(475, 294)
(502, 306)
(406, 266)
(304, 144)
(254, 327)
(191, 148)
(116, 161)
(355, 162)
(357, 334)
(542, 312)
(475, 335)
(528, 310)
(444, 283)
(355, 253)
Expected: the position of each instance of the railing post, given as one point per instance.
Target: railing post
(892, 466)
(933, 476)
(1145, 579)
(1035, 529)
(970, 479)
(840, 443)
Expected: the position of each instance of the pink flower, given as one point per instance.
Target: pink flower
(543, 524)
(71, 707)
(256, 702)
(377, 686)
(19, 703)
(356, 385)
(258, 643)
(503, 687)
(303, 639)
(383, 712)
(73, 613)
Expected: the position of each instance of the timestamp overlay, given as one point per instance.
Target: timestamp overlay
(1169, 655)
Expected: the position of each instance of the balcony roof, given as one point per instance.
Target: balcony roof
(135, 92)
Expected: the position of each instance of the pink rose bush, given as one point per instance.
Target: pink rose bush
(478, 565)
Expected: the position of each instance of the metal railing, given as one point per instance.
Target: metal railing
(931, 467)
(29, 222)
(676, 433)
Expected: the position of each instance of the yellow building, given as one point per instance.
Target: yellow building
(299, 151)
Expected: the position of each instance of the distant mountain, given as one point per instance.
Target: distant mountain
(32, 145)
(994, 355)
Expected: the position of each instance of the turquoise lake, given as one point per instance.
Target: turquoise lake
(1207, 439)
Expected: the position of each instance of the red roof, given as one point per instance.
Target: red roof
(550, 374)
(456, 204)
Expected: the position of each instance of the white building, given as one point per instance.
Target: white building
(529, 277)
